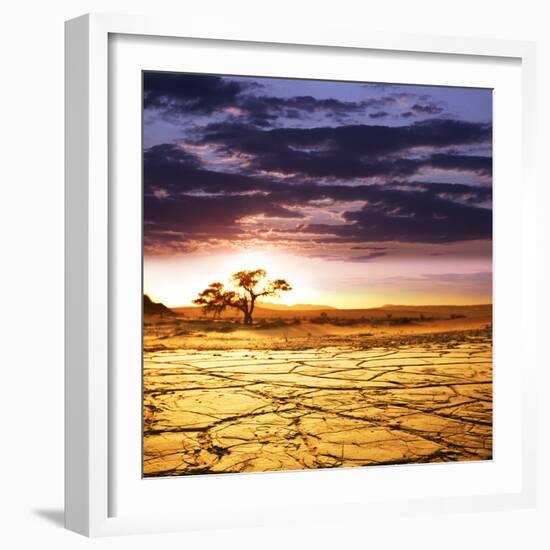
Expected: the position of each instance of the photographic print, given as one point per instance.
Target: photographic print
(317, 274)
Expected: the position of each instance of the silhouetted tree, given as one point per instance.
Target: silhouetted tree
(215, 299)
(250, 285)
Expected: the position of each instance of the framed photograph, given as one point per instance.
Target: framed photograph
(297, 275)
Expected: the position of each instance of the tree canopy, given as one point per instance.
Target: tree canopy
(249, 285)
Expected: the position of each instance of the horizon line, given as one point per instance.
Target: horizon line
(262, 305)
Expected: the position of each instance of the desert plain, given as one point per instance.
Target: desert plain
(306, 388)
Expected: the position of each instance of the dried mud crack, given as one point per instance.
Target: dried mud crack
(410, 400)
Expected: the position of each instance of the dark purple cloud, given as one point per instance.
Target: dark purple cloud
(175, 170)
(254, 164)
(351, 151)
(378, 114)
(189, 93)
(211, 204)
(357, 139)
(178, 94)
(427, 109)
(463, 163)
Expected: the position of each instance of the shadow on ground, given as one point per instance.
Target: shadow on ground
(55, 517)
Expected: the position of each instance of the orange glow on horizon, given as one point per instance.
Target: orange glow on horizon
(176, 281)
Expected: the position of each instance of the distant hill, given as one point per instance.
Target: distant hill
(295, 307)
(473, 310)
(267, 311)
(155, 308)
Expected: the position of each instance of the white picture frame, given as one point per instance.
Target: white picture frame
(91, 218)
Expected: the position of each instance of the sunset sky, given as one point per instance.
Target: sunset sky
(358, 194)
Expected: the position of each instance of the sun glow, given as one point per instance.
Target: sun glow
(248, 259)
(277, 266)
(177, 282)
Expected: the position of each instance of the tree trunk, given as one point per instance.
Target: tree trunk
(251, 309)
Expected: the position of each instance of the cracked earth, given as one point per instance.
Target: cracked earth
(397, 402)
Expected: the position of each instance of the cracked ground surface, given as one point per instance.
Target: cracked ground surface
(401, 401)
